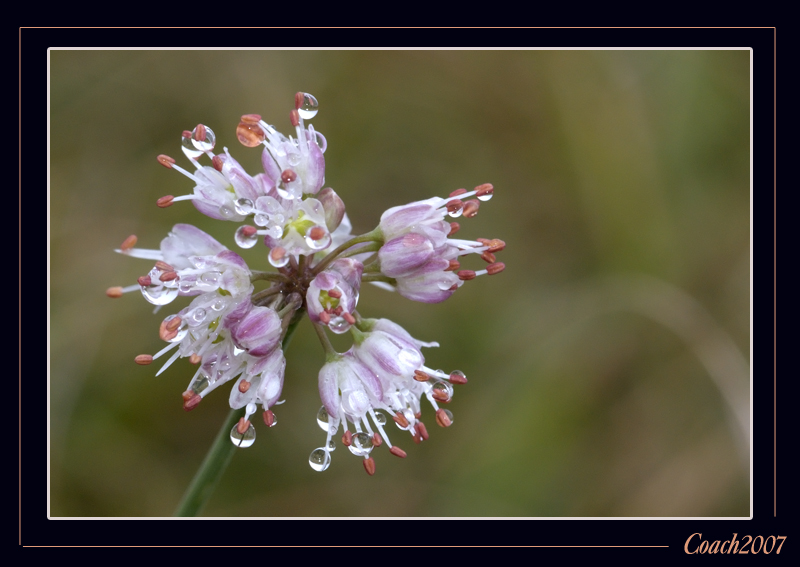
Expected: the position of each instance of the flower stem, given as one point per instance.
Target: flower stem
(373, 236)
(219, 455)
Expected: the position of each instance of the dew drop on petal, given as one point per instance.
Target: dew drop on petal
(294, 159)
(211, 278)
(218, 305)
(323, 418)
(261, 219)
(159, 295)
(243, 206)
(338, 325)
(199, 385)
(444, 285)
(197, 316)
(245, 440)
(361, 444)
(276, 231)
(278, 262)
(309, 108)
(243, 240)
(186, 286)
(319, 459)
(227, 212)
(410, 358)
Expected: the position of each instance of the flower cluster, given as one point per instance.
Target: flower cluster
(235, 333)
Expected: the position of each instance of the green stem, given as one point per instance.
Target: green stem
(372, 236)
(219, 455)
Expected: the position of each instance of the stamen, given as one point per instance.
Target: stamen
(249, 134)
(334, 293)
(369, 466)
(164, 267)
(288, 175)
(454, 265)
(466, 275)
(251, 118)
(325, 317)
(168, 276)
(191, 400)
(495, 245)
(298, 100)
(495, 268)
(485, 189)
(195, 358)
(398, 452)
(488, 257)
(338, 310)
(347, 439)
(349, 318)
(294, 118)
(216, 163)
(422, 430)
(200, 133)
(166, 334)
(471, 208)
(248, 231)
(317, 233)
(269, 418)
(458, 192)
(244, 385)
(454, 227)
(166, 161)
(144, 281)
(277, 253)
(114, 292)
(243, 425)
(143, 359)
(454, 205)
(165, 201)
(186, 134)
(440, 396)
(420, 376)
(376, 439)
(442, 418)
(401, 419)
(128, 243)
(457, 378)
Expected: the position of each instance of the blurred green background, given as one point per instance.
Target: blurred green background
(608, 365)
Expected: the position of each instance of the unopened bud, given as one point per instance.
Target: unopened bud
(333, 206)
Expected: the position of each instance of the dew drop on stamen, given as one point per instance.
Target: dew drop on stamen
(485, 197)
(244, 240)
(275, 232)
(159, 295)
(189, 149)
(380, 418)
(444, 388)
(320, 244)
(249, 134)
(278, 260)
(449, 414)
(319, 460)
(338, 325)
(243, 440)
(205, 145)
(361, 444)
(456, 212)
(199, 385)
(261, 219)
(309, 108)
(243, 206)
(323, 418)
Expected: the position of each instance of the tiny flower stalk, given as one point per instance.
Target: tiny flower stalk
(237, 321)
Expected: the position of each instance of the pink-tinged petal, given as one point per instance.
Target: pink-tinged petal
(329, 388)
(271, 369)
(398, 220)
(351, 271)
(390, 327)
(405, 254)
(258, 332)
(271, 168)
(430, 284)
(185, 240)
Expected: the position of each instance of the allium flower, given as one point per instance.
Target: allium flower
(235, 332)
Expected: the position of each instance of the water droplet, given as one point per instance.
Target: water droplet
(261, 219)
(158, 294)
(309, 108)
(449, 414)
(294, 159)
(243, 206)
(485, 197)
(237, 351)
(321, 142)
(218, 305)
(331, 445)
(199, 385)
(204, 145)
(338, 325)
(211, 278)
(361, 444)
(197, 316)
(319, 244)
(249, 134)
(227, 212)
(410, 358)
(444, 284)
(445, 388)
(186, 286)
(245, 440)
(459, 373)
(456, 212)
(189, 149)
(244, 240)
(284, 193)
(278, 262)
(380, 418)
(323, 418)
(276, 231)
(319, 459)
